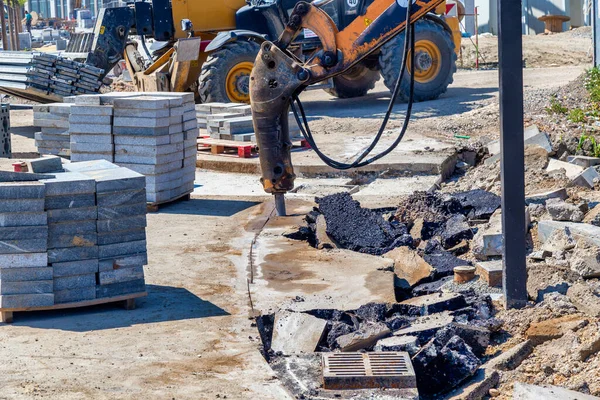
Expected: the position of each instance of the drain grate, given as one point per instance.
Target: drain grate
(368, 371)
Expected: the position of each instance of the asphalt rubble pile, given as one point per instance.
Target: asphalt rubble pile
(447, 248)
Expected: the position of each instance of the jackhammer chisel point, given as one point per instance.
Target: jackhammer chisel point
(280, 204)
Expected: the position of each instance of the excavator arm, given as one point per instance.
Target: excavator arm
(278, 75)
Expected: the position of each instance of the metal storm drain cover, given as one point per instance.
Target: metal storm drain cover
(368, 371)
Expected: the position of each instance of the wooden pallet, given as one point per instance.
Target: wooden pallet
(154, 207)
(128, 302)
(239, 149)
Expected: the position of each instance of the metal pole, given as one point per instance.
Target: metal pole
(476, 38)
(510, 55)
(596, 28)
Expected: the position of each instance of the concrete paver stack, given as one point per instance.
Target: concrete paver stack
(53, 119)
(91, 133)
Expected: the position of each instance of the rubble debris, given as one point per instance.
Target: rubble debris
(524, 391)
(323, 241)
(593, 216)
(464, 274)
(365, 337)
(550, 329)
(456, 230)
(410, 344)
(491, 271)
(441, 260)
(360, 229)
(443, 366)
(478, 338)
(409, 268)
(295, 332)
(437, 302)
(531, 135)
(425, 327)
(588, 348)
(585, 298)
(265, 324)
(585, 260)
(560, 239)
(540, 255)
(588, 178)
(584, 161)
(338, 329)
(589, 233)
(478, 204)
(571, 170)
(372, 312)
(543, 197)
(560, 210)
(488, 242)
(431, 287)
(543, 280)
(477, 387)
(512, 358)
(432, 208)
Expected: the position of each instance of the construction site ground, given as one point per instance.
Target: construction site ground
(193, 336)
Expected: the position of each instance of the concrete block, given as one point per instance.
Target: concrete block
(586, 232)
(114, 212)
(26, 300)
(121, 224)
(22, 190)
(150, 151)
(92, 110)
(51, 123)
(92, 147)
(27, 287)
(121, 275)
(150, 169)
(73, 201)
(587, 178)
(21, 205)
(190, 125)
(127, 142)
(91, 157)
(425, 327)
(524, 391)
(141, 122)
(175, 99)
(23, 219)
(121, 198)
(175, 120)
(490, 271)
(158, 159)
(90, 119)
(91, 129)
(545, 196)
(72, 228)
(136, 130)
(46, 140)
(54, 131)
(127, 261)
(26, 260)
(175, 138)
(90, 139)
(25, 274)
(189, 116)
(94, 165)
(122, 249)
(141, 103)
(571, 170)
(46, 116)
(116, 180)
(67, 183)
(121, 288)
(296, 332)
(74, 282)
(175, 128)
(43, 165)
(75, 295)
(584, 161)
(366, 336)
(121, 236)
(79, 267)
(409, 344)
(72, 240)
(23, 232)
(72, 254)
(141, 113)
(19, 246)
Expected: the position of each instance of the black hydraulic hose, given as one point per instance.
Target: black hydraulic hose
(307, 133)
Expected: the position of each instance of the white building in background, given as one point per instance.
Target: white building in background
(63, 9)
(578, 10)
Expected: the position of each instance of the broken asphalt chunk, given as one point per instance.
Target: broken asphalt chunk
(365, 337)
(478, 203)
(296, 332)
(435, 303)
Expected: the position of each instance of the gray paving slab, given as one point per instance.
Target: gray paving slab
(72, 240)
(90, 119)
(90, 129)
(51, 123)
(121, 236)
(26, 260)
(121, 224)
(93, 165)
(72, 254)
(23, 219)
(70, 201)
(136, 130)
(176, 137)
(91, 110)
(190, 125)
(116, 180)
(175, 128)
(175, 120)
(91, 147)
(20, 246)
(21, 205)
(71, 227)
(150, 151)
(122, 288)
(141, 122)
(27, 287)
(141, 113)
(126, 210)
(91, 157)
(71, 268)
(127, 261)
(66, 183)
(23, 232)
(74, 282)
(141, 103)
(59, 108)
(26, 300)
(43, 165)
(84, 138)
(75, 295)
(189, 116)
(22, 190)
(121, 198)
(72, 214)
(138, 140)
(121, 249)
(121, 275)
(153, 169)
(45, 139)
(158, 159)
(26, 274)
(54, 131)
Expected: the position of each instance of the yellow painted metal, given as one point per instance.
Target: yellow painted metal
(238, 82)
(454, 25)
(162, 60)
(206, 15)
(428, 74)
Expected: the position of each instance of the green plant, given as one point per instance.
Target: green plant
(592, 84)
(577, 116)
(556, 107)
(595, 150)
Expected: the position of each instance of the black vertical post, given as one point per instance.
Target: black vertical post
(595, 21)
(510, 54)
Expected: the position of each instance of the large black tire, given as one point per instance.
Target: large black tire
(391, 57)
(356, 82)
(216, 69)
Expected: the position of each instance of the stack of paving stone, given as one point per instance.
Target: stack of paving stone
(91, 133)
(72, 236)
(54, 122)
(25, 278)
(156, 136)
(232, 121)
(121, 203)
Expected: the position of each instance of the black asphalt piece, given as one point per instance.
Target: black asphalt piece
(478, 203)
(337, 329)
(265, 324)
(456, 229)
(398, 321)
(477, 337)
(374, 312)
(443, 261)
(430, 287)
(431, 206)
(360, 229)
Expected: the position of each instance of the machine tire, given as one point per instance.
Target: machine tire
(432, 36)
(354, 83)
(231, 57)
